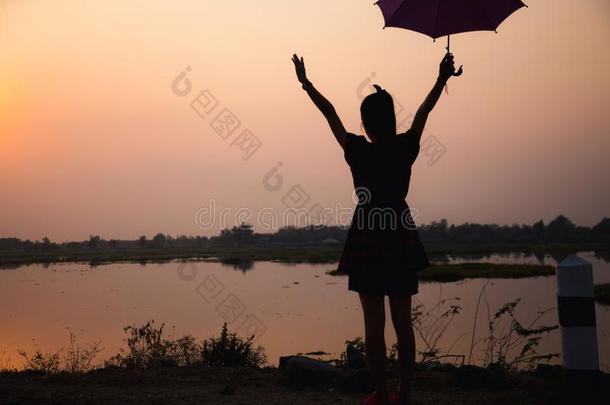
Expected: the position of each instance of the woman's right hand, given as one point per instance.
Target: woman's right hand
(447, 68)
(299, 66)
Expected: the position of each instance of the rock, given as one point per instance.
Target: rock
(478, 377)
(355, 358)
(438, 366)
(316, 353)
(307, 371)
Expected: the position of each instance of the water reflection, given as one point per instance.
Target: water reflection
(302, 307)
(238, 264)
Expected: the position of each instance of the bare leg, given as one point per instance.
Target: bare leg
(374, 325)
(400, 307)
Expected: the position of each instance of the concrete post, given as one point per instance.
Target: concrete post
(576, 307)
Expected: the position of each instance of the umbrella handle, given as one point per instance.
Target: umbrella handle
(447, 47)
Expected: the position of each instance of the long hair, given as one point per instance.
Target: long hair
(377, 112)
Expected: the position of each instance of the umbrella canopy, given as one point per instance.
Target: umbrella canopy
(437, 18)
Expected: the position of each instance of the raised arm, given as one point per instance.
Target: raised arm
(325, 107)
(446, 70)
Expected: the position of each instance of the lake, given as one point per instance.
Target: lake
(294, 308)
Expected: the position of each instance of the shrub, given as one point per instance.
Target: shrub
(517, 338)
(78, 359)
(149, 347)
(47, 363)
(229, 350)
(357, 343)
(430, 325)
(509, 344)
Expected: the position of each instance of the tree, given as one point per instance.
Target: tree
(602, 228)
(561, 228)
(538, 229)
(47, 244)
(159, 240)
(238, 235)
(94, 241)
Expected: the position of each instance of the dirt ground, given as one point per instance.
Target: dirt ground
(232, 386)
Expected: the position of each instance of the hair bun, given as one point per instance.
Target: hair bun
(378, 88)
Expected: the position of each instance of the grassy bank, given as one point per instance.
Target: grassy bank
(283, 253)
(289, 254)
(602, 293)
(454, 272)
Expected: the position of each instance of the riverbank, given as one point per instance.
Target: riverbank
(462, 271)
(435, 273)
(303, 253)
(204, 385)
(455, 272)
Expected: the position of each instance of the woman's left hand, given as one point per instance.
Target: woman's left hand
(299, 66)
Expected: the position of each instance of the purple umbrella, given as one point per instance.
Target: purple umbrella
(437, 18)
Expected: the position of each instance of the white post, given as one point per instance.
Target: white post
(576, 307)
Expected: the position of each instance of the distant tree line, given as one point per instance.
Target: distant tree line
(559, 230)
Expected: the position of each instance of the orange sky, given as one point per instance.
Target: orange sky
(94, 141)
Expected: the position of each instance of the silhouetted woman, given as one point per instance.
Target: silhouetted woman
(383, 252)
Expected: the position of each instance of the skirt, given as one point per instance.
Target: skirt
(383, 262)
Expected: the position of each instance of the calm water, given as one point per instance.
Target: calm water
(298, 307)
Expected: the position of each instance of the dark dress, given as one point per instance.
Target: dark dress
(382, 252)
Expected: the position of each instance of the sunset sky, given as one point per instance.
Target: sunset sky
(93, 140)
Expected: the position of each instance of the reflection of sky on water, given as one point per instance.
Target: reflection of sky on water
(302, 307)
